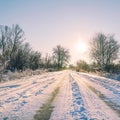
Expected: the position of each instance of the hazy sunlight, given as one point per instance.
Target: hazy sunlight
(81, 46)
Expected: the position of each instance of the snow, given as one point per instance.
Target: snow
(20, 99)
(112, 76)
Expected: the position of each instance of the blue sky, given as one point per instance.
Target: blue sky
(47, 23)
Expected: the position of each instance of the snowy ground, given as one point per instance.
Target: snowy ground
(81, 97)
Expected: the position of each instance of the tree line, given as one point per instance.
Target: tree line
(16, 54)
(104, 50)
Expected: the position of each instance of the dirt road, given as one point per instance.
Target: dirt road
(80, 97)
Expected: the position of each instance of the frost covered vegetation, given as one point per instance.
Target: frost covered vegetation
(104, 53)
(17, 55)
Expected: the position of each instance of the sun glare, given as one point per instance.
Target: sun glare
(81, 47)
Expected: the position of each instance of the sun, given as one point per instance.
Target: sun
(81, 46)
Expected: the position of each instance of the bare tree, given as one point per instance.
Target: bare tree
(5, 35)
(10, 42)
(104, 50)
(61, 56)
(16, 39)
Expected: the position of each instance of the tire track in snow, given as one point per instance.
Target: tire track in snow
(111, 85)
(109, 89)
(32, 89)
(45, 112)
(21, 84)
(14, 106)
(78, 111)
(70, 104)
(96, 107)
(62, 102)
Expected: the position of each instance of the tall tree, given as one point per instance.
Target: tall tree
(61, 56)
(10, 42)
(104, 50)
(5, 35)
(16, 39)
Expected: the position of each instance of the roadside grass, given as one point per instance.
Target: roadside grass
(9, 76)
(46, 110)
(112, 105)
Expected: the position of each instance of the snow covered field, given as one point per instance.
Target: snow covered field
(80, 97)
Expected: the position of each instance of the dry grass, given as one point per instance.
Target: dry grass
(45, 111)
(112, 105)
(18, 75)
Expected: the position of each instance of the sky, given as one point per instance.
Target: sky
(69, 23)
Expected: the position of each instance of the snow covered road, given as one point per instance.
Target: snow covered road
(80, 97)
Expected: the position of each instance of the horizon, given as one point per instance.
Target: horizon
(72, 24)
